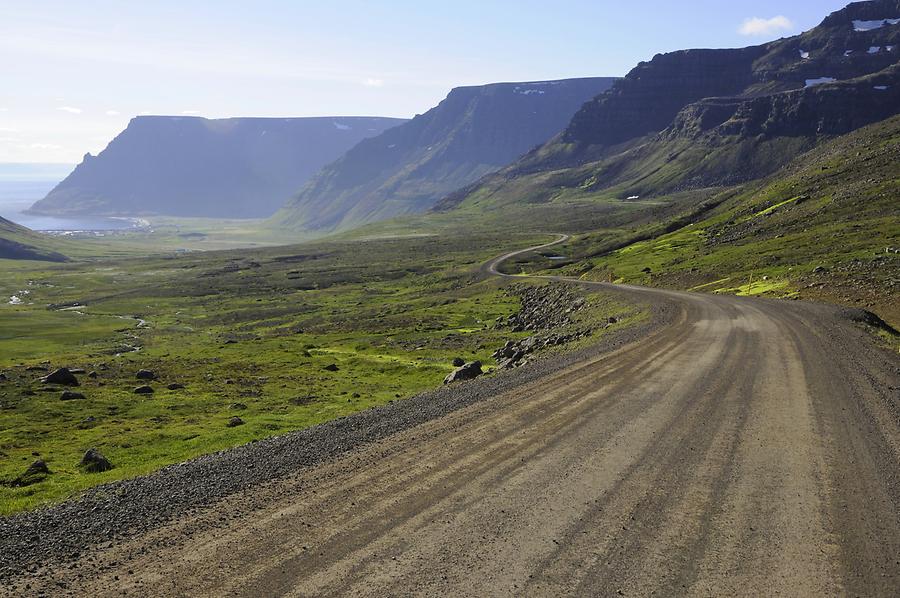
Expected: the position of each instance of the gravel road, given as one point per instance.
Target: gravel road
(739, 447)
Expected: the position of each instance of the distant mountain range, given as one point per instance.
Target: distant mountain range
(190, 166)
(651, 149)
(704, 118)
(407, 169)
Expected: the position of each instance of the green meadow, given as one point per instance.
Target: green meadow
(283, 338)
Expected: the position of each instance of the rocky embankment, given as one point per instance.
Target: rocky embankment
(548, 312)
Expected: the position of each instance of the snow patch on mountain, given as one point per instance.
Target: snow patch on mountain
(529, 91)
(819, 81)
(870, 25)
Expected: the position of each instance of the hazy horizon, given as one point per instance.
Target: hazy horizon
(74, 77)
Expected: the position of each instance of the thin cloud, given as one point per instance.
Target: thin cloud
(45, 146)
(373, 82)
(190, 112)
(756, 26)
(69, 109)
(3, 109)
(112, 113)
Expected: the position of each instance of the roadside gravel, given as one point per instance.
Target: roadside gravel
(34, 543)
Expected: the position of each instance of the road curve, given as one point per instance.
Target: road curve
(751, 447)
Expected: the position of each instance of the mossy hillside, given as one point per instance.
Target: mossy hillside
(827, 227)
(248, 334)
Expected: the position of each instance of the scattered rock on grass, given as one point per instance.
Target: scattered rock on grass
(175, 386)
(458, 362)
(467, 371)
(145, 375)
(235, 421)
(143, 390)
(87, 423)
(70, 395)
(331, 367)
(93, 461)
(61, 376)
(36, 472)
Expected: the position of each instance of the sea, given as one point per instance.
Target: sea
(19, 190)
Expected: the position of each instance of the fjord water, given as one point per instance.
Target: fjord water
(17, 195)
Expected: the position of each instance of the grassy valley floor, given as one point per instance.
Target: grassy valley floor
(282, 338)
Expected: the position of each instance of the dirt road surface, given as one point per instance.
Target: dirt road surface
(751, 447)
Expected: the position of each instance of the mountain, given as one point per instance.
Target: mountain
(20, 243)
(472, 132)
(825, 227)
(191, 166)
(702, 118)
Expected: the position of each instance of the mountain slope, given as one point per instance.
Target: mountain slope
(827, 226)
(472, 132)
(699, 118)
(190, 166)
(20, 243)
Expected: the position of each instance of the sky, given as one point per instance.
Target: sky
(72, 74)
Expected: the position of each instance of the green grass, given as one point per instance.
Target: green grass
(254, 328)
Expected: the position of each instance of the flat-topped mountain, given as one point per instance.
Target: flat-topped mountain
(191, 166)
(474, 131)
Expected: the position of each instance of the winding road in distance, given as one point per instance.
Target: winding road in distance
(749, 447)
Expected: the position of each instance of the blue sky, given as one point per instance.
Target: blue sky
(74, 73)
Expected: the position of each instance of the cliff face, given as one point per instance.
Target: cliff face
(474, 131)
(827, 108)
(188, 166)
(650, 96)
